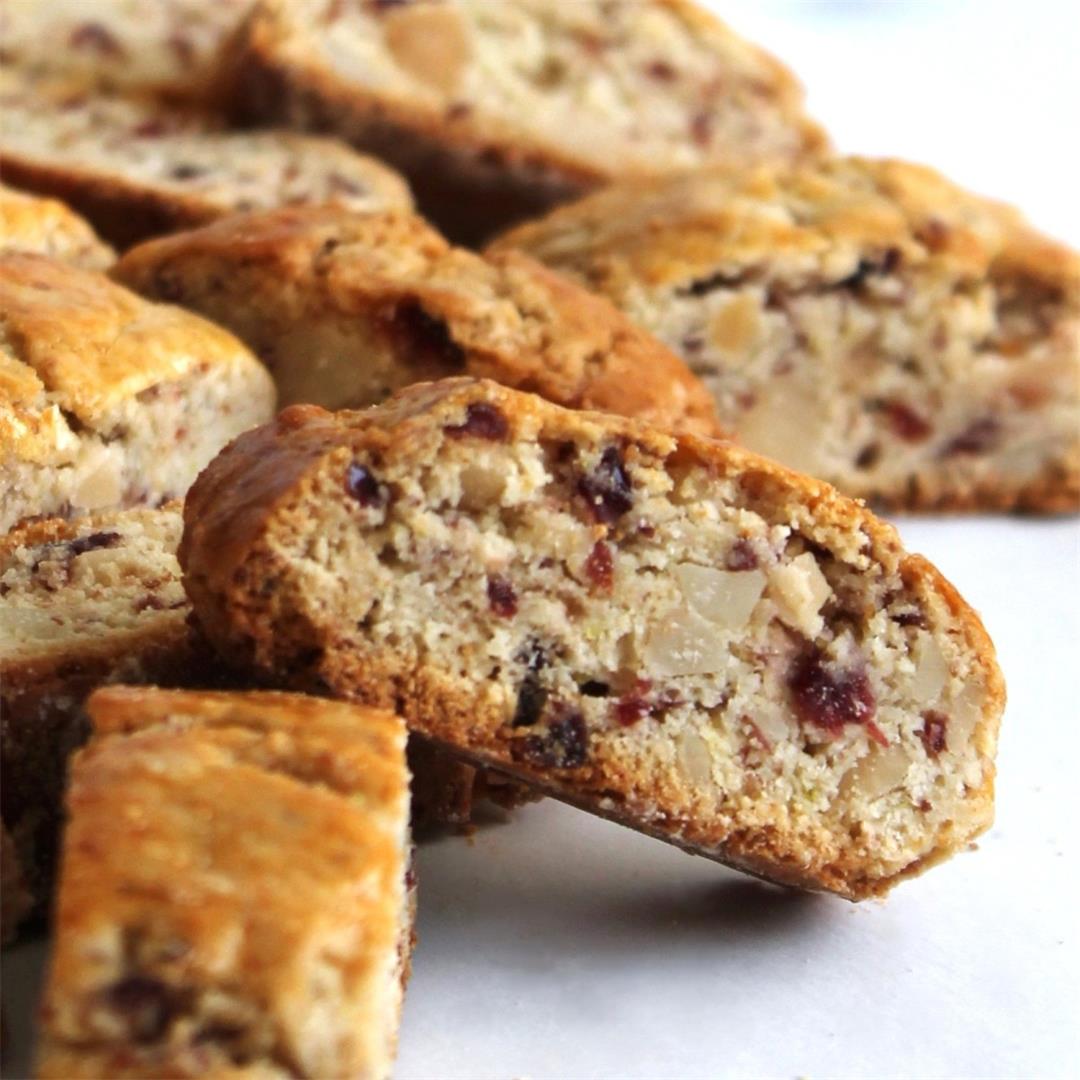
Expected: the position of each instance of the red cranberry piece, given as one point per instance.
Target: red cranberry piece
(976, 439)
(501, 597)
(482, 421)
(532, 698)
(660, 70)
(92, 542)
(909, 618)
(147, 1005)
(425, 339)
(600, 567)
(905, 422)
(934, 729)
(630, 708)
(565, 745)
(742, 556)
(95, 37)
(361, 484)
(606, 490)
(701, 128)
(827, 698)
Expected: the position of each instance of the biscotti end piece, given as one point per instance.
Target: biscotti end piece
(232, 895)
(864, 321)
(167, 47)
(345, 308)
(495, 109)
(107, 400)
(669, 631)
(136, 167)
(48, 227)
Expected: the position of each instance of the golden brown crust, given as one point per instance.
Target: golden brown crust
(232, 895)
(279, 277)
(244, 596)
(491, 167)
(48, 227)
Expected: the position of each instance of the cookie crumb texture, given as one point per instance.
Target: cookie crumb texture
(863, 321)
(49, 227)
(107, 400)
(345, 308)
(519, 103)
(233, 896)
(136, 167)
(672, 632)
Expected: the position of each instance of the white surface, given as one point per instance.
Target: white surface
(560, 946)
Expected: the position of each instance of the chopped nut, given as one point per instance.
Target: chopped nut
(694, 758)
(431, 42)
(931, 670)
(683, 643)
(881, 771)
(724, 597)
(800, 590)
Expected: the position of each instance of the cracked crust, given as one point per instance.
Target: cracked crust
(865, 321)
(344, 308)
(135, 167)
(496, 110)
(233, 893)
(669, 631)
(48, 227)
(106, 399)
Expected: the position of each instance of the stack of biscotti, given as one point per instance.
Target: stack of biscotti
(865, 321)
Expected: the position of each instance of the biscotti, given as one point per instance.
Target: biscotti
(108, 400)
(232, 897)
(864, 321)
(48, 227)
(137, 168)
(670, 631)
(166, 47)
(344, 308)
(82, 603)
(495, 109)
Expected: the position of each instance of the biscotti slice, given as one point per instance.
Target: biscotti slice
(344, 308)
(669, 631)
(166, 47)
(106, 399)
(495, 109)
(232, 898)
(82, 603)
(48, 227)
(137, 168)
(864, 321)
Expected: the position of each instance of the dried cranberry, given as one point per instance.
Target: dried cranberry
(96, 37)
(501, 597)
(565, 745)
(975, 439)
(935, 726)
(701, 128)
(827, 698)
(905, 422)
(606, 490)
(630, 708)
(482, 421)
(186, 171)
(600, 567)
(424, 339)
(933, 234)
(742, 556)
(532, 698)
(147, 1004)
(82, 544)
(909, 618)
(361, 484)
(660, 70)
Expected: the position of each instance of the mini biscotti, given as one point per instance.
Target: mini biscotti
(82, 603)
(233, 897)
(495, 109)
(106, 399)
(167, 46)
(135, 167)
(344, 308)
(669, 631)
(48, 227)
(864, 321)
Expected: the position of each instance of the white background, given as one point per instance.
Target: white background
(560, 946)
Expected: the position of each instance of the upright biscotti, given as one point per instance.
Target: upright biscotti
(106, 399)
(232, 898)
(166, 47)
(670, 631)
(48, 227)
(497, 108)
(82, 603)
(864, 321)
(135, 167)
(344, 308)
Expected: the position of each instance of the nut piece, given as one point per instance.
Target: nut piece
(931, 670)
(800, 589)
(683, 643)
(430, 42)
(881, 771)
(724, 597)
